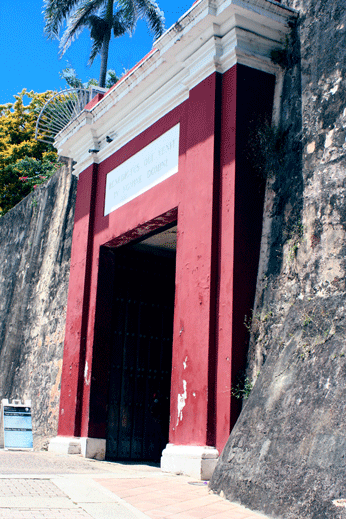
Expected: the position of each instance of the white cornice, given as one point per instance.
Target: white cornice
(212, 36)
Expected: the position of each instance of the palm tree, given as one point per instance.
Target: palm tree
(102, 17)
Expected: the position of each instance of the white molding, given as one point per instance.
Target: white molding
(212, 36)
(93, 448)
(65, 445)
(196, 461)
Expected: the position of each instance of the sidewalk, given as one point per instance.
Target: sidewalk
(40, 485)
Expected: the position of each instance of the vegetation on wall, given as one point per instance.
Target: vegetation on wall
(267, 150)
(24, 162)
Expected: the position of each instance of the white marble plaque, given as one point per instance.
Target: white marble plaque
(145, 169)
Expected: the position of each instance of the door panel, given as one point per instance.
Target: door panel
(138, 412)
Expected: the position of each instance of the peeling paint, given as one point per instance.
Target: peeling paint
(181, 403)
(86, 373)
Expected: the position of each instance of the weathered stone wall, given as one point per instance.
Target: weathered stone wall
(35, 249)
(287, 453)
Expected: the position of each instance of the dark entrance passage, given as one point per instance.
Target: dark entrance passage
(141, 355)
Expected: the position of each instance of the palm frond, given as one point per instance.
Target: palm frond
(99, 17)
(78, 20)
(55, 13)
(103, 10)
(87, 8)
(95, 50)
(128, 11)
(120, 24)
(67, 38)
(97, 26)
(149, 10)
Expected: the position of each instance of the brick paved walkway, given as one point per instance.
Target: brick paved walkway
(29, 487)
(45, 486)
(176, 497)
(36, 499)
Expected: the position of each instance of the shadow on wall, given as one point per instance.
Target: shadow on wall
(287, 184)
(286, 455)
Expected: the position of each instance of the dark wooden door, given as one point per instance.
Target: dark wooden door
(138, 412)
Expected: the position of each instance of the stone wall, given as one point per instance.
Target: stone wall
(35, 250)
(287, 453)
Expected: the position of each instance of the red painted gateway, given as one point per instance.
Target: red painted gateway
(166, 241)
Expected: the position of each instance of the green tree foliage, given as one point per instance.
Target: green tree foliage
(103, 18)
(72, 80)
(24, 162)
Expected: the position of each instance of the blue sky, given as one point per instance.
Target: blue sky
(28, 60)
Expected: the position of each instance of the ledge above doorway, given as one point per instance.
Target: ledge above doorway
(212, 36)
